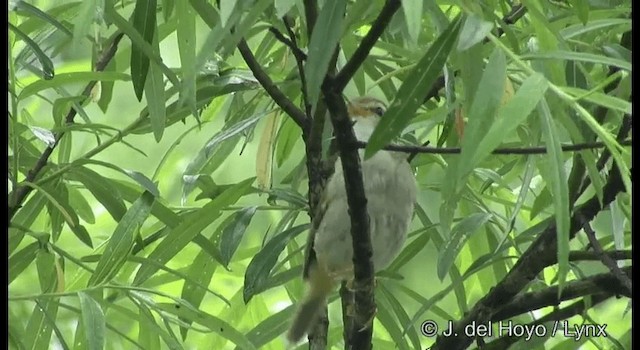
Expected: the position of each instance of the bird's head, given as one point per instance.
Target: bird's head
(365, 112)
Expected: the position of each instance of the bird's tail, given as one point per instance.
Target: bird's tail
(320, 285)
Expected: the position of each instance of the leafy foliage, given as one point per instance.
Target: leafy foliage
(163, 222)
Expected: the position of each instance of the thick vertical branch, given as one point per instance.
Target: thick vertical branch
(357, 203)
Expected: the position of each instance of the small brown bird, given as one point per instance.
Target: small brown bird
(390, 188)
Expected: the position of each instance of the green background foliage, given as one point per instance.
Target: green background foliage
(171, 209)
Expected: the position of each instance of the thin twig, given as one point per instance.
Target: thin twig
(23, 191)
(606, 259)
(300, 63)
(299, 54)
(377, 28)
(504, 151)
(287, 106)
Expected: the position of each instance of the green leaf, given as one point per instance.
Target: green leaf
(122, 240)
(140, 43)
(19, 261)
(193, 224)
(411, 92)
(213, 323)
(154, 94)
(283, 6)
(41, 324)
(486, 102)
(412, 10)
(144, 21)
(232, 234)
(457, 237)
(47, 66)
(580, 57)
(186, 33)
(270, 328)
(101, 188)
(581, 8)
(559, 189)
(36, 12)
(509, 117)
(474, 30)
(83, 20)
(92, 321)
(26, 216)
(322, 44)
(60, 195)
(259, 270)
(572, 31)
(70, 78)
(601, 99)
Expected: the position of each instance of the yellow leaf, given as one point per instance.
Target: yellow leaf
(265, 150)
(508, 92)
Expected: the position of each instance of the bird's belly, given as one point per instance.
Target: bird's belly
(390, 191)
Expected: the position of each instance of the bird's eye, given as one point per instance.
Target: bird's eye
(378, 110)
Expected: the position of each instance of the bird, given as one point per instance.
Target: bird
(390, 188)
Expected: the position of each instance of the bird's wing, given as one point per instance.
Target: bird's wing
(310, 254)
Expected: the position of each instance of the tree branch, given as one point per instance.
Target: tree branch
(290, 43)
(607, 260)
(377, 28)
(541, 253)
(574, 309)
(505, 150)
(592, 256)
(23, 191)
(357, 203)
(280, 99)
(607, 283)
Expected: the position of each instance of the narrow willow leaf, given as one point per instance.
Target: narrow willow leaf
(580, 57)
(411, 92)
(70, 78)
(200, 271)
(482, 115)
(154, 94)
(93, 322)
(193, 224)
(384, 315)
(83, 20)
(101, 188)
(40, 324)
(148, 334)
(473, 31)
(144, 21)
(283, 6)
(141, 43)
(601, 99)
(324, 39)
(458, 236)
(265, 151)
(288, 137)
(121, 241)
(26, 216)
(233, 233)
(186, 33)
(20, 260)
(36, 12)
(581, 7)
(47, 66)
(60, 195)
(578, 29)
(213, 323)
(559, 190)
(509, 117)
(393, 304)
(412, 10)
(259, 270)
